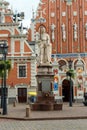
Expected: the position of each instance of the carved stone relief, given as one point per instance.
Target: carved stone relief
(63, 32)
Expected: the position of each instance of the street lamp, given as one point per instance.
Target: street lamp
(70, 75)
(3, 50)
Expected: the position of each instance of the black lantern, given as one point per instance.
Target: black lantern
(4, 50)
(70, 75)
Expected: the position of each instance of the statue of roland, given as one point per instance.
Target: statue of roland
(45, 47)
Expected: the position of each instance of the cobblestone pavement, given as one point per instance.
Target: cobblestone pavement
(77, 111)
(80, 124)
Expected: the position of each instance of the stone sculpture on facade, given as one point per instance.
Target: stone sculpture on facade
(53, 32)
(44, 46)
(75, 31)
(86, 30)
(63, 32)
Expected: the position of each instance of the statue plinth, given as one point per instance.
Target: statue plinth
(45, 97)
(45, 69)
(45, 77)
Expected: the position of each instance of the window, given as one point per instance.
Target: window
(22, 71)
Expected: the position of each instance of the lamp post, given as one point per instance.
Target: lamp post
(70, 75)
(3, 50)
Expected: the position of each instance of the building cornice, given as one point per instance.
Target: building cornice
(8, 13)
(18, 36)
(22, 57)
(69, 55)
(8, 24)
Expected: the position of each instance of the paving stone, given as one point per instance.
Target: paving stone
(56, 120)
(80, 124)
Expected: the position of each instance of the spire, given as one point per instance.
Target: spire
(33, 13)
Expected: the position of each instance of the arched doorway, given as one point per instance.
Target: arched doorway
(66, 90)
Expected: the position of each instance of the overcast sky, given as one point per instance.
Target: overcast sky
(24, 6)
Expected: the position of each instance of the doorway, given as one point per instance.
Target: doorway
(22, 95)
(66, 90)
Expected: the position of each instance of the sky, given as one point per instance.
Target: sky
(25, 6)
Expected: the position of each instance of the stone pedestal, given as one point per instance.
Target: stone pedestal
(45, 97)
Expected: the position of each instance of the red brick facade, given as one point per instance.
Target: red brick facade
(58, 12)
(66, 23)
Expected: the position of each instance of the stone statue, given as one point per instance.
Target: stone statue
(75, 27)
(44, 46)
(63, 32)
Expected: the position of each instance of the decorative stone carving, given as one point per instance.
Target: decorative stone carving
(69, 2)
(37, 36)
(79, 65)
(75, 32)
(52, 1)
(63, 32)
(2, 17)
(86, 30)
(52, 14)
(41, 2)
(52, 30)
